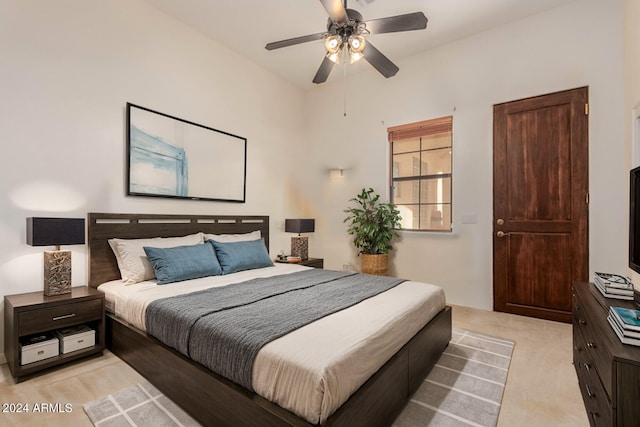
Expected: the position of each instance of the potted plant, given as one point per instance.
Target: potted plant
(374, 225)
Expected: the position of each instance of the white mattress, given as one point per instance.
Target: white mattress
(313, 370)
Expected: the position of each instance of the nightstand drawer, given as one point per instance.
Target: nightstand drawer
(49, 318)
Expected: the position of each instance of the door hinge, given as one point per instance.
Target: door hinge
(586, 198)
(586, 109)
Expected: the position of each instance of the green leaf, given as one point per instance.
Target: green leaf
(373, 224)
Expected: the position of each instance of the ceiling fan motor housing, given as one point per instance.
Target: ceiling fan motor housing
(354, 25)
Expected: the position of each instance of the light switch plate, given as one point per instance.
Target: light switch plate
(469, 218)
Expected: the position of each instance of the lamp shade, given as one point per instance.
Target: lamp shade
(55, 231)
(299, 225)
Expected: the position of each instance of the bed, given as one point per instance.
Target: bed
(213, 399)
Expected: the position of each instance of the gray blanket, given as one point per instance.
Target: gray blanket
(224, 328)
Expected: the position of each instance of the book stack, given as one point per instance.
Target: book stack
(626, 324)
(614, 286)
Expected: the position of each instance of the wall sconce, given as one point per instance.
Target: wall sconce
(336, 173)
(300, 244)
(57, 263)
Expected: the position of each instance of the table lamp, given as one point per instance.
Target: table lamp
(299, 244)
(57, 263)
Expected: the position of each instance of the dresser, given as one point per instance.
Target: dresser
(608, 371)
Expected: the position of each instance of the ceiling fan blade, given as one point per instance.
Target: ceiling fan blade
(336, 11)
(323, 72)
(294, 41)
(394, 24)
(379, 61)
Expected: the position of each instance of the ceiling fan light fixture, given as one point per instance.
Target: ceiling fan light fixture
(355, 56)
(356, 44)
(333, 44)
(334, 56)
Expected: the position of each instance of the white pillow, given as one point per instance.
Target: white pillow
(132, 260)
(230, 238)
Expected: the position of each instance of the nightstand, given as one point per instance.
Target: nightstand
(309, 262)
(313, 262)
(34, 313)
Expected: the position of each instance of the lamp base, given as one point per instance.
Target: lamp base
(300, 246)
(57, 272)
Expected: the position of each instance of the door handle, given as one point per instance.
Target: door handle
(501, 234)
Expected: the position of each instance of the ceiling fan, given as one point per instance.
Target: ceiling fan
(345, 37)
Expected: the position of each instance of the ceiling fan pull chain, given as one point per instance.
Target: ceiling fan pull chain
(344, 106)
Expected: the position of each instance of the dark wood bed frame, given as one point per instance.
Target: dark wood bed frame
(213, 400)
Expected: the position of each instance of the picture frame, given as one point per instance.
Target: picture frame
(175, 158)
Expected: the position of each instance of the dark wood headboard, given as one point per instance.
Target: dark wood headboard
(105, 226)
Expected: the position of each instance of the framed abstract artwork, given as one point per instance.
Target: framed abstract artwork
(176, 158)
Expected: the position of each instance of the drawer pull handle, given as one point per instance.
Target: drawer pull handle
(587, 367)
(66, 316)
(590, 393)
(582, 322)
(591, 345)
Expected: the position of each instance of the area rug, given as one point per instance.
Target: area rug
(141, 405)
(466, 385)
(464, 389)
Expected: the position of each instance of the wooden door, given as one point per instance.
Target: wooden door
(540, 193)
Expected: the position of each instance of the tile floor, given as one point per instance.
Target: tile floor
(542, 388)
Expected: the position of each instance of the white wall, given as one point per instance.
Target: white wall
(576, 45)
(67, 70)
(631, 94)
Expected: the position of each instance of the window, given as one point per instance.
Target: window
(421, 173)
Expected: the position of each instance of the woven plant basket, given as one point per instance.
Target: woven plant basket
(377, 264)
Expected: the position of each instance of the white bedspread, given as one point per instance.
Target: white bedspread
(313, 370)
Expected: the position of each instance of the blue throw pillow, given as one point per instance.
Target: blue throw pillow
(238, 256)
(183, 262)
